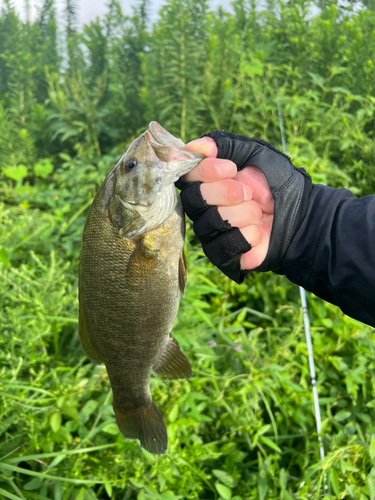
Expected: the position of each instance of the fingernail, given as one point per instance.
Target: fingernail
(198, 142)
(226, 169)
(205, 145)
(202, 140)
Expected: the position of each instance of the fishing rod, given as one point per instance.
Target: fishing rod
(307, 329)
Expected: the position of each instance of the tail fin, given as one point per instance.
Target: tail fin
(146, 424)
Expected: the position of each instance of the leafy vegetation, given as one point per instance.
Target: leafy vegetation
(71, 100)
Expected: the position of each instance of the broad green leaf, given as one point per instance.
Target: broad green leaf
(292, 385)
(341, 90)
(283, 478)
(173, 414)
(238, 456)
(111, 429)
(260, 432)
(253, 68)
(55, 421)
(242, 315)
(87, 411)
(342, 415)
(64, 156)
(334, 481)
(223, 491)
(316, 79)
(34, 484)
(327, 322)
(364, 417)
(262, 488)
(346, 466)
(228, 447)
(81, 494)
(43, 168)
(90, 494)
(15, 173)
(267, 441)
(224, 477)
(361, 113)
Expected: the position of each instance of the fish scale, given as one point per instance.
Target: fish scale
(131, 280)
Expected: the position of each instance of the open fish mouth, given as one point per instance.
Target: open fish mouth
(162, 137)
(154, 161)
(175, 162)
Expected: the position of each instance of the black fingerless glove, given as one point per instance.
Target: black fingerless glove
(290, 188)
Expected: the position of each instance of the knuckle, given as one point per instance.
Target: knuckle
(255, 211)
(205, 171)
(252, 234)
(255, 235)
(234, 192)
(201, 172)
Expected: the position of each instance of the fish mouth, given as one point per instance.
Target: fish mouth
(174, 161)
(161, 161)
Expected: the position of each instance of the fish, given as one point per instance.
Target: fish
(132, 274)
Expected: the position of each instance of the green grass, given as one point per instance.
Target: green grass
(243, 427)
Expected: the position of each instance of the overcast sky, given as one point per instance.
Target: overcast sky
(90, 9)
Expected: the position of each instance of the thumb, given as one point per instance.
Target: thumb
(205, 145)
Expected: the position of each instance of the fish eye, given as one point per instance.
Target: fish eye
(129, 164)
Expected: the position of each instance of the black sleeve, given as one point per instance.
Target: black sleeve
(333, 252)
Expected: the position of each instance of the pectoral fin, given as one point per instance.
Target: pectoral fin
(85, 342)
(143, 258)
(173, 363)
(182, 274)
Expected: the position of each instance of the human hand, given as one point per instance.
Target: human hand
(246, 200)
(243, 198)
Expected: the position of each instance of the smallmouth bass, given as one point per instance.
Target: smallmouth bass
(132, 274)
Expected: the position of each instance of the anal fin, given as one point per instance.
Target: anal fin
(85, 342)
(173, 363)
